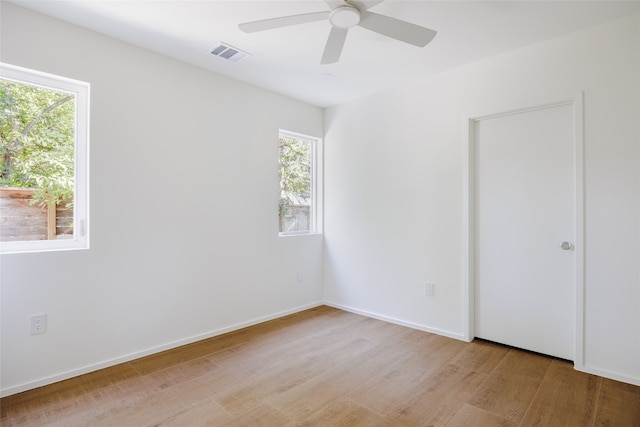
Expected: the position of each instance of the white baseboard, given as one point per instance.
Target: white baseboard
(397, 321)
(607, 374)
(138, 354)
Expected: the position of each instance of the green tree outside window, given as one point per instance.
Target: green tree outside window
(37, 127)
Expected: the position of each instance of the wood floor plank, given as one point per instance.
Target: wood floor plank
(73, 409)
(222, 342)
(156, 396)
(205, 414)
(471, 416)
(618, 404)
(169, 358)
(113, 374)
(287, 376)
(442, 396)
(264, 415)
(379, 331)
(565, 398)
(28, 419)
(103, 385)
(283, 347)
(511, 387)
(302, 401)
(481, 356)
(190, 370)
(152, 407)
(398, 382)
(23, 405)
(343, 413)
(436, 346)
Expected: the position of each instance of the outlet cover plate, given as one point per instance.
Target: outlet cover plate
(38, 324)
(429, 289)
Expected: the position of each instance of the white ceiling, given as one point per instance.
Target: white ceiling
(287, 60)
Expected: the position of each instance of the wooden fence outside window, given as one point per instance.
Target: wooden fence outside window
(20, 221)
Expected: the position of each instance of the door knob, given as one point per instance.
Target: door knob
(566, 246)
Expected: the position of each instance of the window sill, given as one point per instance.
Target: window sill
(314, 233)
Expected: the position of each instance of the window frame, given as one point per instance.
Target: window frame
(316, 208)
(81, 91)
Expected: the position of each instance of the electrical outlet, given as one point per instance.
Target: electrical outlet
(38, 324)
(429, 289)
(299, 276)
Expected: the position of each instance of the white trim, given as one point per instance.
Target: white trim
(396, 321)
(80, 90)
(318, 190)
(292, 234)
(468, 230)
(468, 218)
(578, 105)
(149, 351)
(608, 374)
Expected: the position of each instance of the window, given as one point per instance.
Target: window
(299, 184)
(44, 137)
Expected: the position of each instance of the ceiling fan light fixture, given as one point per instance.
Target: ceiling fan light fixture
(344, 17)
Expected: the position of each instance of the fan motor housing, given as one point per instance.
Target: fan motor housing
(344, 17)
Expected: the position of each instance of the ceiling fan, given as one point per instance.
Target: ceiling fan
(344, 15)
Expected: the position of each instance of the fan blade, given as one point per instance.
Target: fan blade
(364, 5)
(396, 29)
(334, 45)
(284, 21)
(334, 3)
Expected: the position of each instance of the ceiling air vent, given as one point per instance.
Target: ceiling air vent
(229, 53)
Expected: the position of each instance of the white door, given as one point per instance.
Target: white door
(524, 271)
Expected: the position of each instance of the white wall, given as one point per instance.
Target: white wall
(394, 167)
(184, 199)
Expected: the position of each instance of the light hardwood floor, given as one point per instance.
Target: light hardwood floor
(327, 367)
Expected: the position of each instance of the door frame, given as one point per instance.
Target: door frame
(577, 102)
